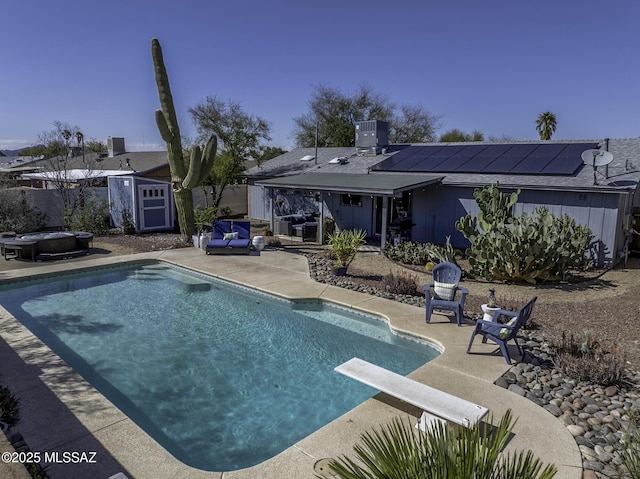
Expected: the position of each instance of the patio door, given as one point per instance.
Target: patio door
(154, 207)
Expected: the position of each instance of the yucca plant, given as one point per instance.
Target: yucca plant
(345, 244)
(399, 451)
(631, 447)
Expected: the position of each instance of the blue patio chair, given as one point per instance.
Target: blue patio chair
(446, 277)
(501, 334)
(242, 241)
(219, 229)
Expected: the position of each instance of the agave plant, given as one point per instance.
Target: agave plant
(398, 451)
(345, 244)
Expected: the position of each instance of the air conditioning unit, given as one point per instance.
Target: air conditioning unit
(371, 137)
(115, 146)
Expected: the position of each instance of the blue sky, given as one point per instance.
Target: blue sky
(482, 65)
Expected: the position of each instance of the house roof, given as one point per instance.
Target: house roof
(139, 162)
(73, 175)
(623, 173)
(291, 163)
(357, 183)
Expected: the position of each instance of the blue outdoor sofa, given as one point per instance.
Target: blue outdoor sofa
(229, 237)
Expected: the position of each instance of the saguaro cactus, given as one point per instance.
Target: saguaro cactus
(184, 176)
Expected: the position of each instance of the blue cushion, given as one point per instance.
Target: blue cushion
(239, 243)
(217, 243)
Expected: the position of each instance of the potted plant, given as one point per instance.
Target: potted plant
(344, 245)
(127, 225)
(202, 217)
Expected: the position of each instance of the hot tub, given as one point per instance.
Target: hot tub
(50, 243)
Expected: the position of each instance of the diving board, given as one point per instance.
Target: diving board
(433, 401)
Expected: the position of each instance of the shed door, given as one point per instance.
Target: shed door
(153, 201)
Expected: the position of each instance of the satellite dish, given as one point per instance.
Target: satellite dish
(596, 158)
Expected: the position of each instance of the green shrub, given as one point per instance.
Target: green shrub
(18, 214)
(8, 407)
(531, 248)
(401, 283)
(91, 215)
(589, 360)
(416, 253)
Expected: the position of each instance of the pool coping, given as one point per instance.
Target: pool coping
(86, 421)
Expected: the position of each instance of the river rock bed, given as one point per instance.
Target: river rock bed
(596, 416)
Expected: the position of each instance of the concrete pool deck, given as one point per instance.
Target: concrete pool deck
(62, 412)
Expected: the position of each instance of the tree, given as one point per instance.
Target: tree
(414, 125)
(241, 136)
(546, 125)
(184, 175)
(335, 114)
(396, 451)
(271, 152)
(455, 136)
(63, 149)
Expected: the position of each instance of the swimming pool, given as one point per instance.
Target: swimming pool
(222, 377)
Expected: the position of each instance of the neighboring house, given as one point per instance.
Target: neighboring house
(148, 172)
(418, 192)
(116, 161)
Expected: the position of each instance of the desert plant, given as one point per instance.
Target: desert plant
(127, 224)
(274, 242)
(397, 451)
(589, 360)
(328, 228)
(18, 214)
(345, 244)
(184, 175)
(203, 217)
(8, 407)
(91, 215)
(531, 248)
(416, 253)
(400, 283)
(630, 453)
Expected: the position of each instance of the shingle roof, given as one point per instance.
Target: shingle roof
(290, 163)
(622, 173)
(138, 161)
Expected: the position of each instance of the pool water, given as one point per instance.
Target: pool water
(221, 376)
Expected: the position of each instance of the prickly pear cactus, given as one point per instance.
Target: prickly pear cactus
(184, 176)
(531, 248)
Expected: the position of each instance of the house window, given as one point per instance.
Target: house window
(351, 200)
(582, 197)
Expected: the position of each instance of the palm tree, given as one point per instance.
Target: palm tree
(546, 125)
(398, 451)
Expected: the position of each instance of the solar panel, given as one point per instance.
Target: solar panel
(506, 162)
(503, 158)
(540, 157)
(463, 157)
(441, 159)
(479, 162)
(569, 159)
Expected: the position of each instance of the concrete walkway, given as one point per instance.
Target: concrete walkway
(61, 412)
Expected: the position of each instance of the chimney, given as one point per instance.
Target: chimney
(115, 146)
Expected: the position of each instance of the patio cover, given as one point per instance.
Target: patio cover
(380, 184)
(370, 184)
